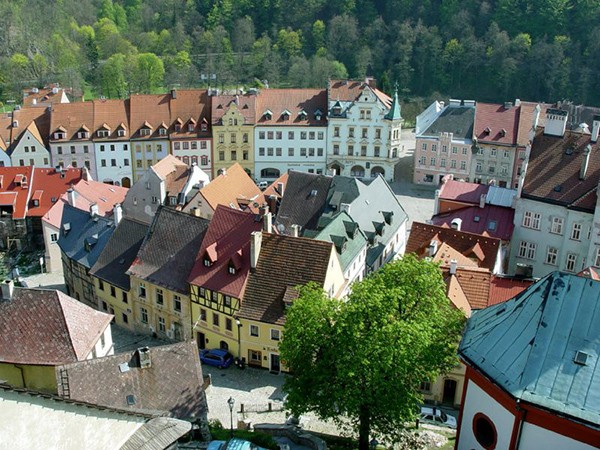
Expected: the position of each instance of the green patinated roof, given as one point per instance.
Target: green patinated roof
(394, 112)
(346, 236)
(528, 345)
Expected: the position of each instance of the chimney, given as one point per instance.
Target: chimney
(281, 187)
(436, 203)
(255, 242)
(585, 161)
(144, 355)
(94, 209)
(34, 101)
(268, 222)
(433, 247)
(117, 213)
(482, 199)
(173, 93)
(196, 212)
(556, 122)
(273, 203)
(8, 288)
(453, 265)
(85, 174)
(456, 224)
(71, 196)
(295, 230)
(595, 128)
(345, 207)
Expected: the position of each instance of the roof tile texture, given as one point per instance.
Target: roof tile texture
(293, 101)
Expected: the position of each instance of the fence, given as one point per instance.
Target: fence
(261, 407)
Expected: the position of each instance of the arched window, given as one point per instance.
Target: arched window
(223, 345)
(270, 173)
(357, 171)
(376, 171)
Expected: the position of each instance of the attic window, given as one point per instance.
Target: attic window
(204, 126)
(476, 219)
(66, 228)
(302, 114)
(569, 151)
(59, 135)
(581, 358)
(102, 133)
(121, 132)
(36, 202)
(145, 132)
(190, 127)
(130, 400)
(557, 188)
(162, 131)
(488, 130)
(268, 115)
(503, 132)
(313, 193)
(15, 124)
(231, 269)
(177, 127)
(492, 225)
(318, 114)
(83, 135)
(285, 115)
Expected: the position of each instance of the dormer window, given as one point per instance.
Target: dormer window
(337, 109)
(207, 262)
(302, 114)
(162, 131)
(177, 127)
(285, 115)
(204, 125)
(59, 135)
(190, 127)
(231, 269)
(268, 115)
(488, 130)
(145, 132)
(15, 124)
(83, 135)
(121, 133)
(102, 133)
(318, 114)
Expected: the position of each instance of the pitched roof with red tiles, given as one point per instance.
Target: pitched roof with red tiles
(190, 108)
(475, 283)
(553, 171)
(233, 187)
(496, 221)
(73, 117)
(15, 186)
(106, 196)
(350, 90)
(504, 288)
(482, 249)
(50, 185)
(47, 327)
(112, 116)
(43, 97)
(149, 110)
(495, 124)
(286, 105)
(462, 191)
(5, 130)
(284, 263)
(526, 117)
(23, 118)
(227, 244)
(246, 105)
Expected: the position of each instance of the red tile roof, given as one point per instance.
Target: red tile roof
(494, 124)
(553, 171)
(227, 241)
(292, 102)
(592, 272)
(190, 107)
(43, 96)
(496, 221)
(149, 110)
(246, 105)
(111, 115)
(526, 120)
(15, 195)
(482, 249)
(52, 185)
(503, 289)
(24, 117)
(73, 117)
(349, 90)
(474, 283)
(462, 191)
(233, 187)
(48, 327)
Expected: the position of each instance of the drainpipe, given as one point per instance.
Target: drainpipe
(517, 430)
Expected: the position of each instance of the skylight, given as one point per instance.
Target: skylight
(581, 358)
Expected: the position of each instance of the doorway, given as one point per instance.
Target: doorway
(275, 365)
(201, 341)
(449, 392)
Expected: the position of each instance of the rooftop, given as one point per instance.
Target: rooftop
(286, 107)
(50, 184)
(505, 288)
(496, 124)
(47, 327)
(496, 221)
(245, 104)
(73, 117)
(15, 185)
(455, 119)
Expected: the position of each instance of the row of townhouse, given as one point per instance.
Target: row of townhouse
(224, 273)
(477, 142)
(351, 128)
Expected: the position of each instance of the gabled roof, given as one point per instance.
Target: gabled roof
(554, 167)
(284, 263)
(292, 101)
(119, 253)
(47, 327)
(13, 196)
(482, 249)
(231, 187)
(73, 117)
(167, 165)
(350, 90)
(473, 282)
(496, 221)
(111, 115)
(86, 235)
(495, 124)
(505, 288)
(190, 106)
(455, 119)
(23, 118)
(148, 111)
(172, 383)
(228, 237)
(168, 252)
(303, 201)
(45, 96)
(526, 123)
(347, 237)
(273, 188)
(245, 104)
(463, 192)
(528, 345)
(52, 185)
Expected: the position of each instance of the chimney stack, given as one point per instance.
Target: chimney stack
(482, 200)
(433, 247)
(280, 188)
(255, 243)
(85, 174)
(556, 122)
(453, 265)
(94, 209)
(295, 230)
(117, 213)
(456, 224)
(71, 196)
(595, 128)
(585, 161)
(8, 288)
(268, 222)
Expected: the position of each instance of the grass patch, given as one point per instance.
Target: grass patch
(264, 440)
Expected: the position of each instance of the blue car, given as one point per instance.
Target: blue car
(216, 357)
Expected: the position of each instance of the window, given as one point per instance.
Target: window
(527, 250)
(124, 297)
(365, 131)
(221, 156)
(290, 135)
(336, 149)
(142, 290)
(432, 162)
(290, 151)
(270, 151)
(101, 285)
(54, 237)
(125, 318)
(377, 151)
(138, 164)
(351, 132)
(351, 150)
(261, 151)
(302, 152)
(597, 258)
(423, 160)
(177, 303)
(571, 260)
(113, 292)
(453, 163)
(444, 149)
(126, 162)
(532, 220)
(228, 324)
(160, 299)
(363, 150)
(463, 165)
(493, 152)
(492, 169)
(59, 150)
(320, 135)
(232, 138)
(161, 324)
(424, 146)
(576, 232)
(464, 150)
(245, 155)
(506, 153)
(233, 155)
(303, 135)
(254, 330)
(221, 138)
(203, 315)
(144, 315)
(275, 334)
(278, 151)
(557, 225)
(443, 162)
(255, 356)
(336, 132)
(377, 133)
(454, 150)
(434, 147)
(215, 319)
(113, 162)
(484, 431)
(425, 386)
(551, 256)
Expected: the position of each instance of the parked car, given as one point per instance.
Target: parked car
(216, 357)
(436, 416)
(262, 185)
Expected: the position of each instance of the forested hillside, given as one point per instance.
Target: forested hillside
(485, 49)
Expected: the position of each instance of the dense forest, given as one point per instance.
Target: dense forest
(492, 50)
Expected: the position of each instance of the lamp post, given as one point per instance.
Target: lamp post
(231, 403)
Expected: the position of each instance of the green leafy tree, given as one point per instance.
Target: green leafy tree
(149, 73)
(113, 77)
(362, 359)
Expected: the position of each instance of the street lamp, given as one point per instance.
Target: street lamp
(231, 403)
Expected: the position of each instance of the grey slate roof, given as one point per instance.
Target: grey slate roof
(303, 201)
(458, 120)
(86, 237)
(527, 345)
(171, 384)
(169, 250)
(119, 253)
